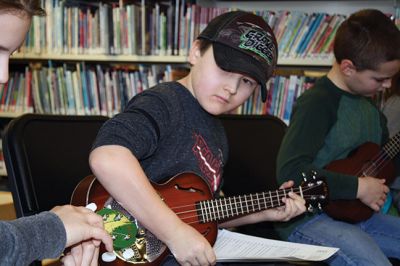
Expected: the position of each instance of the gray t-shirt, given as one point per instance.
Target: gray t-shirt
(168, 131)
(31, 238)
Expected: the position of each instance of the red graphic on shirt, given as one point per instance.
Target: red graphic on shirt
(209, 164)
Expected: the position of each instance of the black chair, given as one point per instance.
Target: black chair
(46, 156)
(254, 142)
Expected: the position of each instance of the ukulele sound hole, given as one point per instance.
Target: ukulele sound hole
(189, 189)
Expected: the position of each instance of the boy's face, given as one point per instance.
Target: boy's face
(217, 91)
(369, 82)
(13, 29)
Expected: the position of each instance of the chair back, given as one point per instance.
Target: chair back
(46, 156)
(254, 142)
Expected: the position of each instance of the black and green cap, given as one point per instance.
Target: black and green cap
(243, 43)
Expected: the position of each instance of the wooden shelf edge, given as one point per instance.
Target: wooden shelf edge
(305, 61)
(105, 58)
(157, 59)
(11, 114)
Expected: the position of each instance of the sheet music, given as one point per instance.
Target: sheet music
(232, 246)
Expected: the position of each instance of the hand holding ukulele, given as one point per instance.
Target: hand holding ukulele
(372, 191)
(294, 206)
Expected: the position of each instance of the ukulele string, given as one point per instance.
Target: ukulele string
(394, 144)
(389, 150)
(378, 162)
(242, 206)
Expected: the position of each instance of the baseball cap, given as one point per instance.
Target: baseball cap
(243, 43)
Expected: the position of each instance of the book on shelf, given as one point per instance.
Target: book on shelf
(295, 33)
(319, 31)
(3, 170)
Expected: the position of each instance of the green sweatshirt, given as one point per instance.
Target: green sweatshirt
(327, 124)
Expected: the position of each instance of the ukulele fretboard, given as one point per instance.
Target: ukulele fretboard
(224, 208)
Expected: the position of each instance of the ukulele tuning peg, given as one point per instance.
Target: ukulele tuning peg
(314, 174)
(310, 208)
(108, 256)
(319, 206)
(304, 176)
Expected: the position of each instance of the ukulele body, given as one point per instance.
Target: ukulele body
(360, 161)
(183, 190)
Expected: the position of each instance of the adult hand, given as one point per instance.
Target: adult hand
(83, 254)
(82, 224)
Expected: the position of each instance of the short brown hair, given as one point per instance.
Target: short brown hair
(367, 38)
(204, 45)
(28, 7)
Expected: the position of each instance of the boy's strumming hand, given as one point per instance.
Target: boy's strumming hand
(372, 191)
(189, 247)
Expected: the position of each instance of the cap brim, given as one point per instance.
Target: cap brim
(232, 60)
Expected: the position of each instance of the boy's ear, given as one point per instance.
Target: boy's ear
(347, 67)
(194, 53)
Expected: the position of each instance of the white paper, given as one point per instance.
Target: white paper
(232, 246)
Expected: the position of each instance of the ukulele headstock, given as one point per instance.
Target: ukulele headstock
(314, 190)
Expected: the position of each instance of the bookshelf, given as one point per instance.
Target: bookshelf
(101, 44)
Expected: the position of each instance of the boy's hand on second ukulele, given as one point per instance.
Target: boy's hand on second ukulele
(372, 192)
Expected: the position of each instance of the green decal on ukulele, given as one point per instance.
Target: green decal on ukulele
(121, 229)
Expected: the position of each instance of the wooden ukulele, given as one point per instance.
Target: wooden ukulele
(367, 160)
(191, 199)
